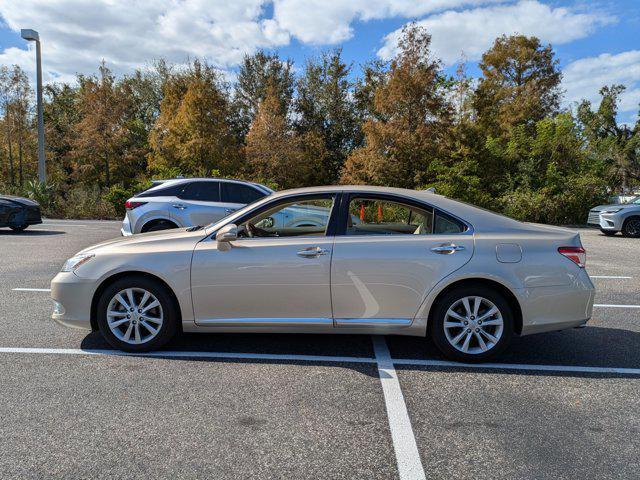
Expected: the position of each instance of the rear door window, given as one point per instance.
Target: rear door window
(202, 192)
(239, 193)
(445, 224)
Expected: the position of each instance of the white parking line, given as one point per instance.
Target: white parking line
(321, 358)
(404, 442)
(190, 354)
(606, 305)
(31, 289)
(612, 277)
(61, 225)
(518, 366)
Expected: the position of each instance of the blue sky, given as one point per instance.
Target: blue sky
(597, 42)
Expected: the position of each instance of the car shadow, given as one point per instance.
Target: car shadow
(31, 233)
(587, 347)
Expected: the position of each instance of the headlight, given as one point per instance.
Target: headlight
(613, 210)
(74, 262)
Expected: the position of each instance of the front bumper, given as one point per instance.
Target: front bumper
(611, 221)
(548, 309)
(72, 297)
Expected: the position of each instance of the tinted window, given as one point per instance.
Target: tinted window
(170, 191)
(202, 191)
(308, 218)
(370, 216)
(239, 193)
(445, 224)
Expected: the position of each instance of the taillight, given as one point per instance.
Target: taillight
(577, 255)
(129, 205)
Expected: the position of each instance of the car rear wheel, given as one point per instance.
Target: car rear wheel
(608, 233)
(472, 324)
(631, 227)
(137, 314)
(158, 225)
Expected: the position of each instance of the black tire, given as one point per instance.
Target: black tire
(608, 233)
(157, 226)
(447, 301)
(170, 311)
(631, 227)
(19, 228)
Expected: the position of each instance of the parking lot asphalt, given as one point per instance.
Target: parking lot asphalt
(557, 405)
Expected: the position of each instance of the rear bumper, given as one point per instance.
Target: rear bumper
(125, 231)
(548, 309)
(72, 300)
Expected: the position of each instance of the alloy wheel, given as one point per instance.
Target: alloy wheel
(134, 316)
(632, 227)
(473, 325)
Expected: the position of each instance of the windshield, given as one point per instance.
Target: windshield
(237, 213)
(635, 200)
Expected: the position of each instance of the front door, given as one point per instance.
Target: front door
(275, 274)
(392, 254)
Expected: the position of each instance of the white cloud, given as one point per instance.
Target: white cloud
(77, 34)
(473, 31)
(329, 21)
(583, 79)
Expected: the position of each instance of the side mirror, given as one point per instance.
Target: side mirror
(228, 233)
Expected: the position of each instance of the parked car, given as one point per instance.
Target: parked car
(187, 202)
(619, 217)
(18, 213)
(414, 263)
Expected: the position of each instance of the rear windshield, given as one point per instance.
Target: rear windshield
(160, 191)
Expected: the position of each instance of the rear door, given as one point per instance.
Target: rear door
(391, 254)
(199, 203)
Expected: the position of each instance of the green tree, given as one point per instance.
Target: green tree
(520, 85)
(275, 153)
(410, 121)
(100, 133)
(258, 73)
(324, 106)
(193, 131)
(616, 146)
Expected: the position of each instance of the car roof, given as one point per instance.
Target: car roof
(475, 216)
(178, 181)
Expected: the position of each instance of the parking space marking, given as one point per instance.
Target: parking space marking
(606, 305)
(31, 289)
(518, 366)
(612, 277)
(61, 225)
(190, 354)
(404, 441)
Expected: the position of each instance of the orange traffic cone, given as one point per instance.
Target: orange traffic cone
(362, 212)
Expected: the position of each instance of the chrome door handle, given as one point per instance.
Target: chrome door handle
(179, 206)
(447, 249)
(312, 252)
(229, 210)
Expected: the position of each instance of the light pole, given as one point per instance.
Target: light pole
(32, 36)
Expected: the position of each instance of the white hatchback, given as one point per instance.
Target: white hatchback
(188, 202)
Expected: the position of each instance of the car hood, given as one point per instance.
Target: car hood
(600, 208)
(147, 240)
(19, 200)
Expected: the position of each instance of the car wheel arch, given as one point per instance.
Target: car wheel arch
(156, 221)
(117, 276)
(509, 296)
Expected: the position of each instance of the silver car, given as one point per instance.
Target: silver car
(373, 261)
(619, 217)
(188, 202)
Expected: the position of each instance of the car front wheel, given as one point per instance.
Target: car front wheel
(472, 324)
(137, 314)
(631, 227)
